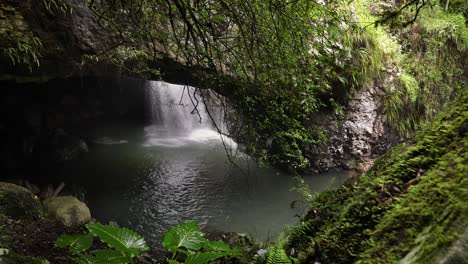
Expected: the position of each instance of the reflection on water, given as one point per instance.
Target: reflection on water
(157, 180)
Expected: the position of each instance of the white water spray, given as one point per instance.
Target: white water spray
(179, 117)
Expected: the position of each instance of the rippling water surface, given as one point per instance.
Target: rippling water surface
(147, 179)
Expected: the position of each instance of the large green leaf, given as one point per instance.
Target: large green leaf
(111, 256)
(104, 256)
(220, 246)
(185, 235)
(122, 239)
(76, 243)
(216, 246)
(204, 257)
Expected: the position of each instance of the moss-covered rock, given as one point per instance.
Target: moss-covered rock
(18, 202)
(457, 253)
(411, 206)
(68, 210)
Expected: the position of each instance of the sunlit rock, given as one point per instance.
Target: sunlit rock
(68, 210)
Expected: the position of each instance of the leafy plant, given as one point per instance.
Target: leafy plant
(76, 243)
(123, 245)
(410, 205)
(187, 239)
(26, 53)
(277, 61)
(277, 254)
(60, 5)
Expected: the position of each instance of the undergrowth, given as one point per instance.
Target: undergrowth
(434, 49)
(413, 197)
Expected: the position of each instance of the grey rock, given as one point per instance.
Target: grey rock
(360, 135)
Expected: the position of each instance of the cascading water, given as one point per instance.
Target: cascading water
(177, 108)
(179, 116)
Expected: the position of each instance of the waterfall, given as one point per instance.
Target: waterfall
(179, 116)
(177, 108)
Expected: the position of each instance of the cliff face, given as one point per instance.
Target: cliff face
(358, 135)
(57, 37)
(40, 43)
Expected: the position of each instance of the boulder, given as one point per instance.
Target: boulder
(68, 210)
(17, 202)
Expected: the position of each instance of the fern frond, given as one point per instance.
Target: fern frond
(277, 254)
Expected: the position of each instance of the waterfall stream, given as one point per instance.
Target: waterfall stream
(179, 117)
(177, 108)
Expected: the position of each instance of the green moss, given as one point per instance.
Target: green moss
(424, 218)
(411, 85)
(413, 199)
(18, 203)
(68, 210)
(432, 58)
(5, 236)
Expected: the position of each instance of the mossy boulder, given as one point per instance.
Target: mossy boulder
(18, 202)
(68, 210)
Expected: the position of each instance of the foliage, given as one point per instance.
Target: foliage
(122, 239)
(188, 239)
(276, 253)
(412, 199)
(123, 245)
(288, 60)
(60, 5)
(76, 243)
(187, 235)
(434, 50)
(303, 189)
(25, 52)
(426, 46)
(292, 59)
(128, 58)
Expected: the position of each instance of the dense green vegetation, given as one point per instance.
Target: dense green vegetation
(432, 63)
(187, 240)
(123, 245)
(290, 60)
(412, 200)
(282, 56)
(279, 63)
